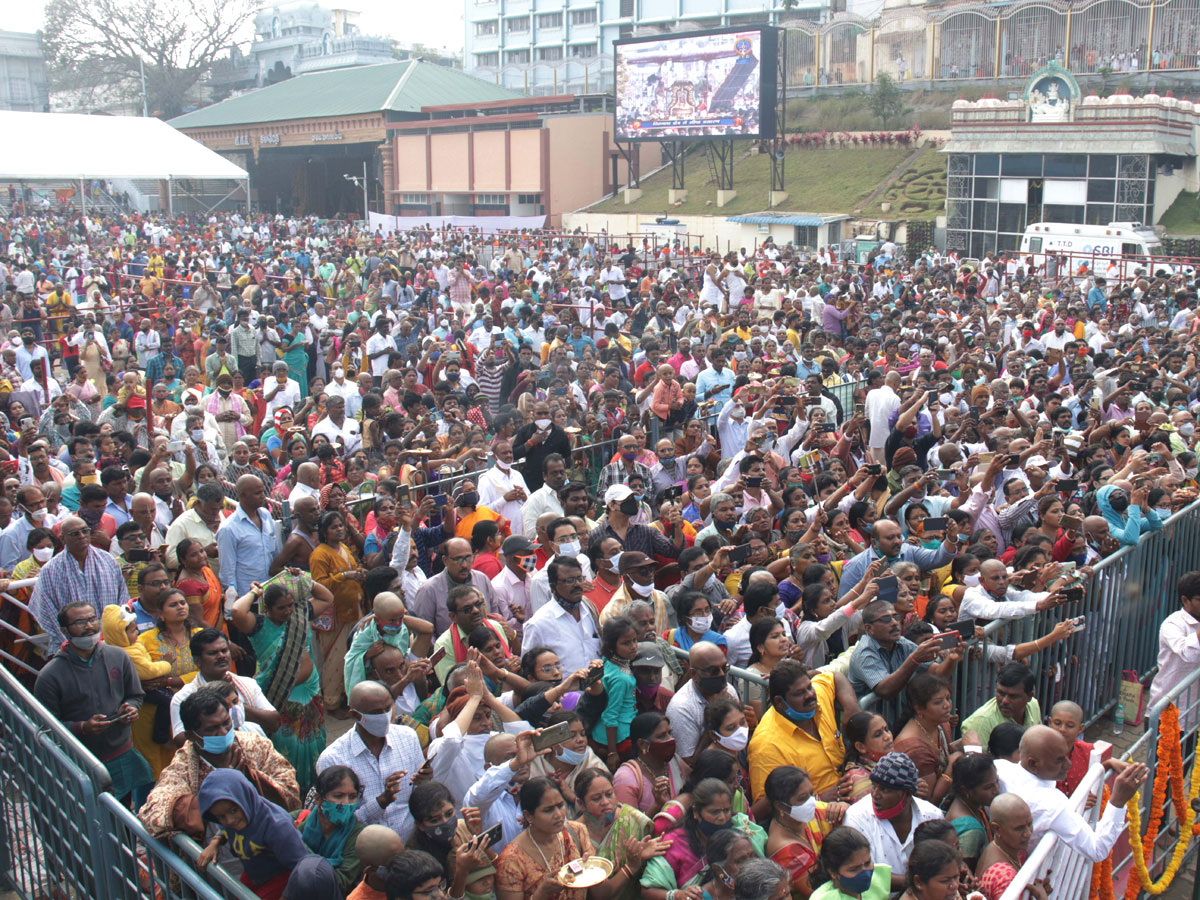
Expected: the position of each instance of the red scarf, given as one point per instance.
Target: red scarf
(460, 649)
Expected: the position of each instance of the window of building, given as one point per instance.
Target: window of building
(414, 198)
(521, 23)
(488, 60)
(520, 57)
(550, 20)
(583, 17)
(527, 199)
(583, 51)
(490, 200)
(491, 26)
(550, 54)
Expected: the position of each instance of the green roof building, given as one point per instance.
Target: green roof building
(306, 139)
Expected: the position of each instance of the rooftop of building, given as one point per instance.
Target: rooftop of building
(404, 87)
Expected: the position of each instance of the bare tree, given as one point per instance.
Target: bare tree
(103, 43)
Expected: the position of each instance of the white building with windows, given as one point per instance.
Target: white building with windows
(544, 47)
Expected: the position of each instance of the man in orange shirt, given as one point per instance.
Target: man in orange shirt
(375, 846)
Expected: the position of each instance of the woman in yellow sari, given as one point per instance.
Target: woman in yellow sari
(168, 641)
(334, 566)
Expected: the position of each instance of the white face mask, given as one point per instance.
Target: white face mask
(615, 560)
(542, 424)
(43, 554)
(701, 623)
(197, 434)
(806, 811)
(37, 515)
(642, 590)
(736, 741)
(971, 580)
(568, 548)
(1187, 429)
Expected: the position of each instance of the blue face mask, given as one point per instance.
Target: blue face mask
(390, 629)
(795, 715)
(338, 814)
(931, 544)
(218, 744)
(859, 884)
(570, 757)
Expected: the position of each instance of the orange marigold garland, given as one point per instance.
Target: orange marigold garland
(1102, 874)
(1170, 758)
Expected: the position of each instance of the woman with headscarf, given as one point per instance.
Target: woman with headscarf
(329, 828)
(255, 830)
(1128, 516)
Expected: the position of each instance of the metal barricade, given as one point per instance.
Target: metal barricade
(221, 881)
(1070, 872)
(142, 868)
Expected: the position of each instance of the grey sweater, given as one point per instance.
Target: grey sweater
(75, 689)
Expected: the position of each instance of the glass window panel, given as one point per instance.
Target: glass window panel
(1012, 217)
(1029, 164)
(1066, 165)
(1101, 191)
(987, 188)
(987, 164)
(1102, 166)
(1069, 214)
(1099, 213)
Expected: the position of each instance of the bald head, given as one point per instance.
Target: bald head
(309, 474)
(388, 605)
(892, 380)
(377, 844)
(1045, 753)
(368, 693)
(500, 748)
(1067, 708)
(705, 655)
(1008, 809)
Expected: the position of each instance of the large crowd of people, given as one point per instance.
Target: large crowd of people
(441, 563)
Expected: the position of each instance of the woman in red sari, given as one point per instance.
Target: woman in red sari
(799, 822)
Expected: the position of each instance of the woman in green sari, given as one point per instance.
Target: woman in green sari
(610, 823)
(289, 669)
(293, 349)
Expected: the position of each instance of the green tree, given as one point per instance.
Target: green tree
(104, 44)
(886, 99)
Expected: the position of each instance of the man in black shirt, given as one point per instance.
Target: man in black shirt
(534, 442)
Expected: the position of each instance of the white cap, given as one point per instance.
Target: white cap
(616, 493)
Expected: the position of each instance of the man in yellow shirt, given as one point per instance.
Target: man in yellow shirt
(800, 728)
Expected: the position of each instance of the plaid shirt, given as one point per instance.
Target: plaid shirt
(62, 581)
(401, 753)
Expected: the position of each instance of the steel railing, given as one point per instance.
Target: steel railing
(1070, 873)
(1131, 592)
(62, 834)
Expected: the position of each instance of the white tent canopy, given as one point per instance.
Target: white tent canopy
(53, 147)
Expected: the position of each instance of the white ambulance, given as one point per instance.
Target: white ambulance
(1093, 245)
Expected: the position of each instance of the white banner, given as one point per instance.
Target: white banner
(389, 224)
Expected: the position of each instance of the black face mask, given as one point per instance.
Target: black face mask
(711, 685)
(470, 498)
(629, 506)
(1119, 502)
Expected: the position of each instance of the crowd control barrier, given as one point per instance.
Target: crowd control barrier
(62, 834)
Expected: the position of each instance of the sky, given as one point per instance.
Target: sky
(438, 24)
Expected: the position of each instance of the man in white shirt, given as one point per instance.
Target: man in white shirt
(502, 489)
(1179, 646)
(992, 598)
(881, 404)
(251, 711)
(379, 345)
(512, 582)
(613, 276)
(1045, 759)
(279, 390)
(495, 794)
(545, 499)
(337, 426)
(568, 624)
(888, 816)
(384, 756)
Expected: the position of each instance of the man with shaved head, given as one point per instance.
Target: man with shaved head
(994, 598)
(1045, 759)
(376, 846)
(247, 540)
(495, 794)
(384, 754)
(298, 547)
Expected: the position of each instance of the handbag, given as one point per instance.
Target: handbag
(1132, 697)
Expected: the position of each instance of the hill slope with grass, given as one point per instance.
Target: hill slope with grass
(818, 180)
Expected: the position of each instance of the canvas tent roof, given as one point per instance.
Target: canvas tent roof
(69, 147)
